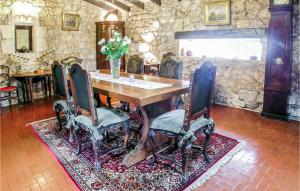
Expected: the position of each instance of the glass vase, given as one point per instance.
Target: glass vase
(115, 68)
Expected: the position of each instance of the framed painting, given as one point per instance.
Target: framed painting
(70, 22)
(217, 12)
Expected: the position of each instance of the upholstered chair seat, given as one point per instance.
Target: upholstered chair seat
(106, 117)
(173, 122)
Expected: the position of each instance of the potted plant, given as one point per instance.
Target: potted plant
(114, 49)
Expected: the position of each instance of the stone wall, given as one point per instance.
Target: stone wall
(239, 83)
(48, 25)
(48, 33)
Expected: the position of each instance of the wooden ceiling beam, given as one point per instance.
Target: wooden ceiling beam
(119, 4)
(137, 3)
(101, 5)
(158, 2)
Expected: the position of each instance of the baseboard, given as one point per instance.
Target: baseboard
(274, 116)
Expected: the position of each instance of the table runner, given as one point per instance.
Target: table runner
(126, 81)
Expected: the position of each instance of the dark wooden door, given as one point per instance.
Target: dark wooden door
(278, 64)
(106, 30)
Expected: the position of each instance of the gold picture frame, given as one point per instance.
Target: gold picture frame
(70, 22)
(217, 12)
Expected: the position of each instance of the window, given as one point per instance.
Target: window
(111, 17)
(228, 48)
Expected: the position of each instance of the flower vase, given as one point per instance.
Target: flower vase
(115, 68)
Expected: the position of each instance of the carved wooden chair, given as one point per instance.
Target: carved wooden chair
(97, 121)
(184, 125)
(171, 67)
(5, 87)
(63, 101)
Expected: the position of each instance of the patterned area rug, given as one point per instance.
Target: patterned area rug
(163, 175)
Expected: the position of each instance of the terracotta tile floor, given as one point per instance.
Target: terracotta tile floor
(270, 160)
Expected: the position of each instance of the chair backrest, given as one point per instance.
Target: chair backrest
(82, 92)
(135, 64)
(200, 93)
(170, 67)
(71, 60)
(59, 86)
(4, 76)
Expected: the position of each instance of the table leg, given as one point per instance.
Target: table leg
(23, 85)
(30, 89)
(49, 85)
(149, 112)
(44, 81)
(27, 90)
(139, 153)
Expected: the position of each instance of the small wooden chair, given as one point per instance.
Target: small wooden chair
(6, 88)
(184, 125)
(97, 121)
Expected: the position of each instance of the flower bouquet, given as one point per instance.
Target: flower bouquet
(114, 49)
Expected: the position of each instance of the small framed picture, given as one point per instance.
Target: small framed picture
(217, 12)
(70, 22)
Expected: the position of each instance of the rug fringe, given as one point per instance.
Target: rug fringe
(216, 167)
(51, 118)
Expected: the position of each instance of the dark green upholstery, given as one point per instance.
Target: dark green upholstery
(173, 121)
(203, 84)
(135, 64)
(80, 85)
(57, 72)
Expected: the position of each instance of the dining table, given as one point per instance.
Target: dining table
(152, 95)
(27, 79)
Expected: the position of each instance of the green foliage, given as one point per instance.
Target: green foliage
(115, 47)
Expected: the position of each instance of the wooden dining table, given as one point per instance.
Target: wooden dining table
(26, 80)
(151, 102)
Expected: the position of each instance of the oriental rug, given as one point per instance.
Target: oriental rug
(162, 176)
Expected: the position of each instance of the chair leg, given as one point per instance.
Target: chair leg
(108, 100)
(9, 98)
(184, 162)
(78, 141)
(59, 120)
(207, 138)
(96, 148)
(151, 137)
(18, 97)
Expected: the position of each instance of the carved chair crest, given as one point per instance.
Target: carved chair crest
(171, 66)
(69, 61)
(135, 64)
